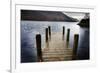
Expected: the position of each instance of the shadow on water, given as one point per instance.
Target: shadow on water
(83, 49)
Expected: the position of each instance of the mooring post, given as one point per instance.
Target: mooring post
(39, 50)
(68, 37)
(63, 32)
(75, 46)
(49, 31)
(46, 34)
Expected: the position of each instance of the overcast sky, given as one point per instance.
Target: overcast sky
(77, 15)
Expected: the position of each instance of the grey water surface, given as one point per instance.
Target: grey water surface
(29, 29)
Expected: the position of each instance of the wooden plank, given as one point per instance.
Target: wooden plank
(57, 49)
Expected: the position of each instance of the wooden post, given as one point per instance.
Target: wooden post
(75, 46)
(38, 45)
(63, 32)
(68, 37)
(46, 34)
(49, 31)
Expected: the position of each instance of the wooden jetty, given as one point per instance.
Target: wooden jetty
(56, 47)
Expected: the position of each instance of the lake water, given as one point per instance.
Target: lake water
(29, 29)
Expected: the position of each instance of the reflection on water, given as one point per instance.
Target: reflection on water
(29, 29)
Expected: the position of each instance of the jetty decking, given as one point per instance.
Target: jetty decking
(56, 49)
(56, 46)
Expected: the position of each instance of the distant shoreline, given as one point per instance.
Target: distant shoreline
(45, 16)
